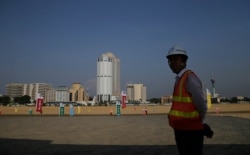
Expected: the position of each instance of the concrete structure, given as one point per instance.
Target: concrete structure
(166, 99)
(62, 94)
(18, 89)
(39, 88)
(50, 96)
(108, 77)
(137, 92)
(77, 93)
(14, 89)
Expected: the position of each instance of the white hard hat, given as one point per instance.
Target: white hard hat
(175, 50)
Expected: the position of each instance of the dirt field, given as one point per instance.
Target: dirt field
(95, 132)
(114, 135)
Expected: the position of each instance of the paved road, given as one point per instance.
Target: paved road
(113, 135)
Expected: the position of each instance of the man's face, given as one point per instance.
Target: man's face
(176, 63)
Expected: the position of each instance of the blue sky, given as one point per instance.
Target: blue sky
(59, 41)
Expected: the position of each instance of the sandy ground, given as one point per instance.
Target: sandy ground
(95, 132)
(112, 135)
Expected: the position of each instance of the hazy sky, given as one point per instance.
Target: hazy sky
(58, 42)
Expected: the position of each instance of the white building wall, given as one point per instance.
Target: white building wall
(25, 89)
(144, 93)
(130, 92)
(108, 77)
(62, 96)
(116, 77)
(137, 92)
(50, 95)
(40, 88)
(104, 78)
(31, 89)
(14, 89)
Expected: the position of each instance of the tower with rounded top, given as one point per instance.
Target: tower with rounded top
(108, 77)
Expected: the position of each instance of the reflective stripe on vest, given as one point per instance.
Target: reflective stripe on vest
(184, 114)
(181, 98)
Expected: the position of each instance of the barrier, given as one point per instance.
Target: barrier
(30, 111)
(71, 110)
(61, 109)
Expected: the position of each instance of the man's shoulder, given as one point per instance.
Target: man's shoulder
(189, 72)
(192, 76)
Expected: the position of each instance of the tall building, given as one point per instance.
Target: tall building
(14, 90)
(108, 77)
(61, 94)
(136, 92)
(39, 88)
(18, 89)
(50, 96)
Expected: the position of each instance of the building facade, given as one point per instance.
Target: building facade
(62, 94)
(77, 93)
(39, 88)
(108, 77)
(136, 92)
(18, 89)
(50, 96)
(166, 99)
(14, 90)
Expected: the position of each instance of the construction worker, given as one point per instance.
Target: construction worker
(189, 108)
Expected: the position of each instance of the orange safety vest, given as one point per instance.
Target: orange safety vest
(183, 114)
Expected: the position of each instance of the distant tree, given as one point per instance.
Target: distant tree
(155, 100)
(26, 99)
(234, 99)
(17, 99)
(246, 99)
(226, 100)
(5, 99)
(22, 99)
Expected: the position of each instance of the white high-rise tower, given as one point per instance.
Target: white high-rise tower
(108, 77)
